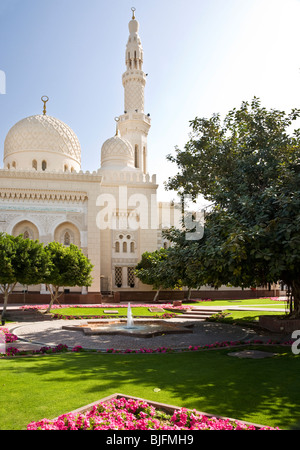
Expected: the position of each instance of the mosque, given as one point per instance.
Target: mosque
(112, 214)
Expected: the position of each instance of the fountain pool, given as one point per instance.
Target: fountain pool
(142, 328)
(129, 327)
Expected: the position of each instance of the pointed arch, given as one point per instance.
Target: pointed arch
(67, 233)
(28, 229)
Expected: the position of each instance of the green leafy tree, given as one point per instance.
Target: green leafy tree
(21, 261)
(67, 266)
(248, 167)
(180, 258)
(155, 269)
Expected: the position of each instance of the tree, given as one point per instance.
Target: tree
(180, 258)
(67, 266)
(154, 269)
(21, 261)
(249, 168)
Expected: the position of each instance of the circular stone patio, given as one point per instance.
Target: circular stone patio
(51, 334)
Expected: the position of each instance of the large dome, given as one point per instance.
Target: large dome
(117, 152)
(42, 139)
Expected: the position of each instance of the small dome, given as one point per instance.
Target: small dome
(117, 152)
(42, 137)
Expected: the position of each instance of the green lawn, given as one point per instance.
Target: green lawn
(99, 311)
(144, 311)
(260, 391)
(263, 391)
(139, 311)
(246, 316)
(262, 302)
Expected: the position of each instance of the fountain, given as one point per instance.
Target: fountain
(129, 317)
(138, 328)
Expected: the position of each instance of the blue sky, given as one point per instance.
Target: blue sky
(202, 57)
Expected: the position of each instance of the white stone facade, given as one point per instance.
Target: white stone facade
(112, 213)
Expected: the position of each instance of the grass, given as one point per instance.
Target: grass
(98, 311)
(262, 302)
(244, 317)
(144, 311)
(262, 391)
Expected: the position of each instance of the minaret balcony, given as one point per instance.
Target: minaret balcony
(133, 74)
(135, 116)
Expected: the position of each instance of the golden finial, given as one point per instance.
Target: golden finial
(133, 9)
(44, 100)
(117, 120)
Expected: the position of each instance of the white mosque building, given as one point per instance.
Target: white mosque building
(112, 214)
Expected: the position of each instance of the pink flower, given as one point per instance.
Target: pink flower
(130, 414)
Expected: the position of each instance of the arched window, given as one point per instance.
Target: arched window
(117, 247)
(14, 164)
(67, 238)
(8, 166)
(136, 156)
(27, 229)
(26, 234)
(44, 165)
(65, 167)
(34, 164)
(124, 247)
(131, 247)
(67, 233)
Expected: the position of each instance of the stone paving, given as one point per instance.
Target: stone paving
(35, 335)
(51, 333)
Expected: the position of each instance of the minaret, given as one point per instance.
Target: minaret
(134, 125)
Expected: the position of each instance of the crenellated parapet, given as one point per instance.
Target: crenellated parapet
(51, 175)
(119, 178)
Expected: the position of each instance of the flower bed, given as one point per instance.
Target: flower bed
(203, 347)
(9, 337)
(137, 414)
(107, 316)
(105, 306)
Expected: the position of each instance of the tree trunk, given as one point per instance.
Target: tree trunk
(156, 296)
(6, 291)
(295, 285)
(189, 293)
(6, 294)
(54, 296)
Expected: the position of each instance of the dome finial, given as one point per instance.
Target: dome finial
(133, 10)
(44, 100)
(117, 129)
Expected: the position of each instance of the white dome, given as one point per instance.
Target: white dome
(117, 152)
(42, 137)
